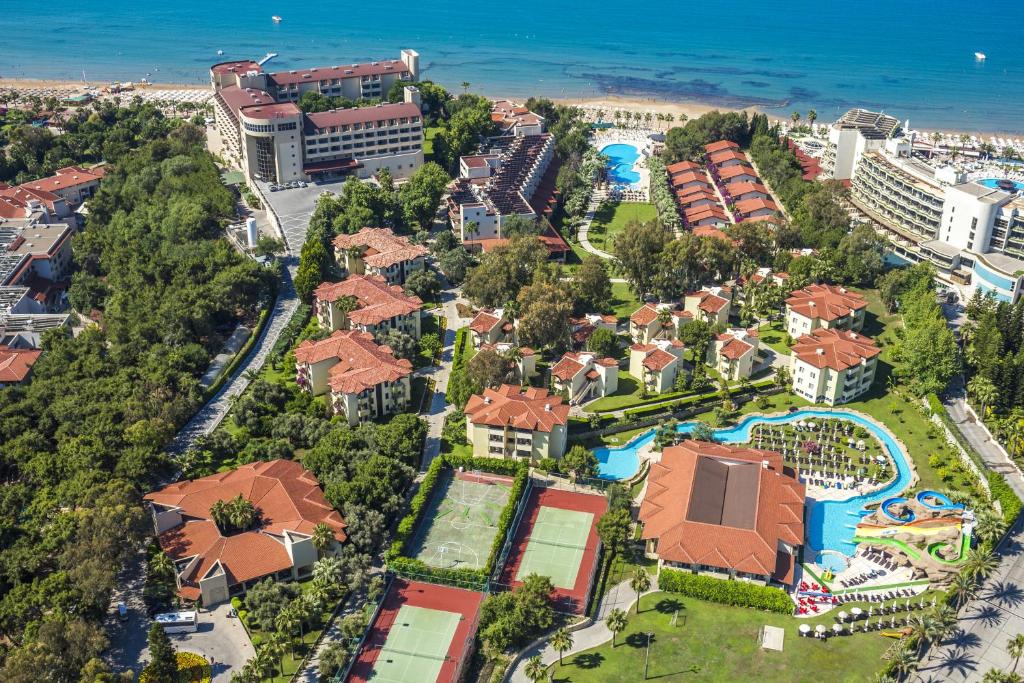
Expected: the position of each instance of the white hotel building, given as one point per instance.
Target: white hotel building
(265, 132)
(972, 233)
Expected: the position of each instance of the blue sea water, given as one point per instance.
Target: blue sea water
(621, 158)
(830, 524)
(914, 60)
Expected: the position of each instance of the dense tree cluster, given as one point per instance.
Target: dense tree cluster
(433, 97)
(470, 120)
(104, 131)
(925, 352)
(994, 360)
(83, 440)
(687, 141)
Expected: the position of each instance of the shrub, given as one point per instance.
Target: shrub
(236, 602)
(726, 592)
(1008, 500)
(243, 614)
(192, 668)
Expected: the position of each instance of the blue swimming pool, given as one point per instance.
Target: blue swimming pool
(621, 158)
(830, 524)
(994, 183)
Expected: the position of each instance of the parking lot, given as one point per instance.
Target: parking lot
(295, 206)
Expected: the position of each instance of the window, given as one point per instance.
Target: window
(286, 126)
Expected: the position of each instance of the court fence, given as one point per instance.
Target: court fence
(343, 673)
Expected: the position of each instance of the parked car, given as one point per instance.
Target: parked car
(122, 611)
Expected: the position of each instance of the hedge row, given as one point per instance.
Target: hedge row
(725, 592)
(418, 570)
(237, 359)
(417, 505)
(291, 332)
(690, 400)
(1008, 500)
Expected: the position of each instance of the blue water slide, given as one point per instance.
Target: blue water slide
(942, 501)
(884, 507)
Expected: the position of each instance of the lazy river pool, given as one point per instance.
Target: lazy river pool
(621, 158)
(831, 524)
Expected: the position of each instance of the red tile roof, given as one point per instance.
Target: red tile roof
(327, 73)
(699, 213)
(713, 147)
(709, 231)
(745, 206)
(688, 177)
(834, 349)
(723, 155)
(16, 364)
(724, 506)
(657, 359)
(571, 363)
(343, 117)
(240, 66)
(645, 315)
(737, 190)
(737, 170)
(361, 363)
(734, 349)
(518, 407)
(681, 166)
(381, 246)
(484, 322)
(825, 302)
(287, 497)
(376, 299)
(235, 98)
(709, 302)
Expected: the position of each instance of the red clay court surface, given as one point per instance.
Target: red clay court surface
(429, 596)
(566, 600)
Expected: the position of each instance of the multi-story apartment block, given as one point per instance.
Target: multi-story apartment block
(657, 321)
(36, 255)
(367, 303)
(734, 353)
(712, 305)
(656, 364)
(364, 379)
(517, 422)
(833, 366)
(824, 306)
(584, 376)
(264, 130)
(379, 251)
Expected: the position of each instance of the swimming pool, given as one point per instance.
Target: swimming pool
(621, 158)
(831, 524)
(994, 183)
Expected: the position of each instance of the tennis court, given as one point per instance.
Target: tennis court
(461, 522)
(556, 545)
(422, 634)
(557, 537)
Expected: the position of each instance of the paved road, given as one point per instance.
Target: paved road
(997, 614)
(439, 408)
(583, 235)
(210, 415)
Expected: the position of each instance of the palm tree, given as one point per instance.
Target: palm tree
(323, 537)
(639, 582)
(984, 391)
(535, 669)
(616, 621)
(1015, 648)
(219, 513)
(981, 563)
(923, 627)
(962, 588)
(989, 527)
(265, 663)
(562, 642)
(328, 572)
(161, 566)
(936, 136)
(902, 658)
(796, 117)
(465, 86)
(277, 643)
(286, 622)
(812, 116)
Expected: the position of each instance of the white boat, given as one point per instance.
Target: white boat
(980, 56)
(277, 19)
(220, 52)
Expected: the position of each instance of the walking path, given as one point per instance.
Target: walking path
(210, 415)
(310, 672)
(450, 299)
(988, 621)
(595, 201)
(619, 597)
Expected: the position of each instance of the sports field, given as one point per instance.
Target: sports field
(556, 545)
(461, 522)
(557, 537)
(421, 635)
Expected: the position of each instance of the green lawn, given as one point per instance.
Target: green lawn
(624, 303)
(428, 141)
(774, 335)
(714, 642)
(612, 217)
(626, 395)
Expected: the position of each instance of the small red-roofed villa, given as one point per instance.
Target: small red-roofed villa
(833, 366)
(734, 353)
(380, 252)
(584, 377)
(657, 364)
(712, 305)
(364, 379)
(824, 306)
(724, 511)
(213, 566)
(379, 306)
(656, 321)
(517, 422)
(492, 327)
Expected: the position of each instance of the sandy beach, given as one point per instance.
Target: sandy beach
(690, 110)
(27, 83)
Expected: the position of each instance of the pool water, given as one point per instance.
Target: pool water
(994, 183)
(621, 158)
(830, 524)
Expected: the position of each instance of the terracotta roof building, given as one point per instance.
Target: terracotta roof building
(657, 364)
(713, 147)
(734, 353)
(213, 566)
(516, 120)
(833, 365)
(713, 305)
(379, 306)
(724, 511)
(513, 421)
(754, 207)
(379, 251)
(657, 321)
(73, 184)
(739, 173)
(365, 379)
(825, 306)
(708, 215)
(16, 364)
(584, 377)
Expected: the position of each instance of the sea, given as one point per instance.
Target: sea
(913, 59)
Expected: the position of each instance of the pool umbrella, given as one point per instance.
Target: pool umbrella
(837, 628)
(843, 616)
(820, 630)
(856, 612)
(804, 629)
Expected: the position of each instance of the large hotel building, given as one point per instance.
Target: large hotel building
(266, 133)
(971, 231)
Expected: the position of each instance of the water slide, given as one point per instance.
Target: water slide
(910, 550)
(884, 507)
(942, 501)
(965, 546)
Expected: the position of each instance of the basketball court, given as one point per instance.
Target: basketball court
(557, 538)
(422, 634)
(461, 521)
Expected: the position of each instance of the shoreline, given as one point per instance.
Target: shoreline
(609, 102)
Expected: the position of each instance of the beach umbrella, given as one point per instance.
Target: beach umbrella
(843, 616)
(892, 622)
(820, 630)
(856, 612)
(837, 628)
(871, 610)
(804, 629)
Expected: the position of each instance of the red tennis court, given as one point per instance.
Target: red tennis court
(572, 596)
(449, 660)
